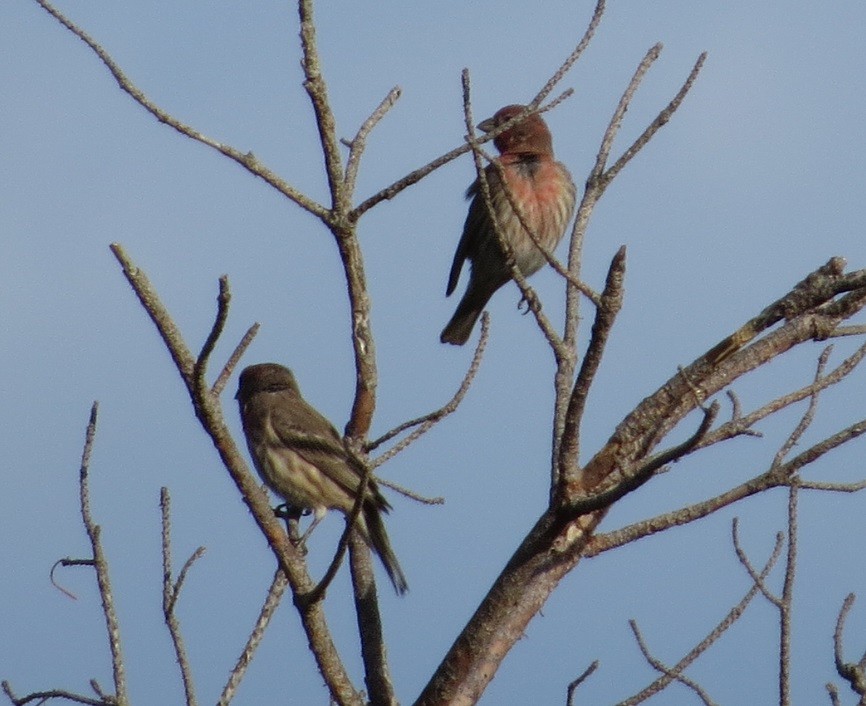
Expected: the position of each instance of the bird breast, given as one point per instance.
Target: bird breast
(546, 196)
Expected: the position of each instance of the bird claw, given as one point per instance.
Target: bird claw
(285, 511)
(523, 306)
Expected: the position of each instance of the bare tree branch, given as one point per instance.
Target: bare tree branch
(169, 332)
(735, 613)
(854, 674)
(359, 142)
(596, 184)
(389, 192)
(223, 300)
(606, 312)
(318, 91)
(740, 424)
(631, 480)
(100, 564)
(753, 573)
(661, 119)
(275, 594)
(428, 421)
(42, 696)
(234, 359)
(572, 687)
(618, 114)
(377, 674)
(209, 412)
(170, 594)
(659, 666)
(247, 160)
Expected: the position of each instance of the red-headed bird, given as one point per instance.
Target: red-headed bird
(301, 457)
(546, 194)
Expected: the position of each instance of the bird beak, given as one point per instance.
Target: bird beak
(486, 125)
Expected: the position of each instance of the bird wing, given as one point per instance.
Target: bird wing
(314, 438)
(476, 220)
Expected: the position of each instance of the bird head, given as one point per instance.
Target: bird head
(265, 377)
(530, 136)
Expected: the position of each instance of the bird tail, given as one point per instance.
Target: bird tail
(378, 539)
(460, 327)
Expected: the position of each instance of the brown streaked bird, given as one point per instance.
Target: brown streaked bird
(301, 457)
(546, 194)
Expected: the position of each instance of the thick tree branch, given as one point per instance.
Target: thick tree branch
(377, 674)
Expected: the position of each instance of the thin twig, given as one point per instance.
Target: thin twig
(574, 56)
(170, 594)
(606, 541)
(247, 160)
(223, 300)
(712, 637)
(318, 92)
(438, 500)
(833, 487)
(359, 143)
(100, 564)
(234, 359)
(275, 594)
(740, 424)
(392, 190)
(169, 332)
(747, 565)
(854, 674)
(815, 452)
(631, 480)
(616, 119)
(606, 312)
(786, 604)
(572, 687)
(428, 421)
(661, 119)
(42, 696)
(808, 416)
(659, 666)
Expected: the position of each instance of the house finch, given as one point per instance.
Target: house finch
(543, 189)
(301, 457)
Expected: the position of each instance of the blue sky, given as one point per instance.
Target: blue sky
(755, 182)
